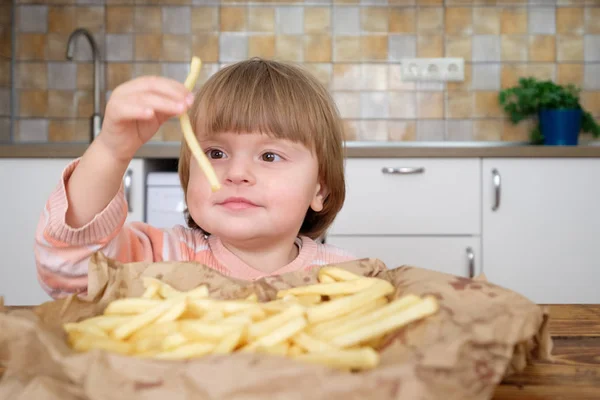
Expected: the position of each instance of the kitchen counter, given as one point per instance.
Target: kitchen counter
(354, 150)
(575, 371)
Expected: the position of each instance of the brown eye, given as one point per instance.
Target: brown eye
(270, 157)
(215, 154)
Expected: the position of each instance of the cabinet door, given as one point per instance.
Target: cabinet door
(134, 185)
(459, 256)
(28, 183)
(542, 238)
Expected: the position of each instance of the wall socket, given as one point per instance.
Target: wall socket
(433, 69)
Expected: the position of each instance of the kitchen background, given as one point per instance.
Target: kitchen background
(353, 46)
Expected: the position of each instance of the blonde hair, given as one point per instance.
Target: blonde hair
(281, 100)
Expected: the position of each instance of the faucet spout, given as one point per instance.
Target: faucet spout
(96, 117)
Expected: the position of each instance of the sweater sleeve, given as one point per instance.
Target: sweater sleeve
(62, 252)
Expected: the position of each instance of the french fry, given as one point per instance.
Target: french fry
(280, 334)
(186, 351)
(139, 321)
(188, 132)
(88, 342)
(305, 300)
(130, 306)
(173, 341)
(228, 343)
(268, 325)
(253, 298)
(105, 322)
(328, 289)
(334, 323)
(337, 274)
(311, 344)
(84, 329)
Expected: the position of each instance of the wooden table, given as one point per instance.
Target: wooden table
(575, 370)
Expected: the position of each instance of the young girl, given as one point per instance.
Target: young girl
(274, 138)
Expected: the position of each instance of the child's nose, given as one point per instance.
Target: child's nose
(239, 173)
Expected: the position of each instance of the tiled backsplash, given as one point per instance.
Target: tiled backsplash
(353, 46)
(5, 59)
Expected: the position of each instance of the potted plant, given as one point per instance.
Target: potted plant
(559, 113)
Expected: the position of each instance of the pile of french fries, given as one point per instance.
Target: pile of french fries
(338, 322)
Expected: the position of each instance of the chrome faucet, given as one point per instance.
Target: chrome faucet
(96, 119)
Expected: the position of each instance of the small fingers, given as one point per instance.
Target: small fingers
(161, 104)
(133, 111)
(165, 87)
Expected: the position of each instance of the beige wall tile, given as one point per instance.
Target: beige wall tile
(542, 48)
(5, 79)
(33, 103)
(511, 73)
(486, 105)
(569, 48)
(430, 105)
(374, 48)
(261, 19)
(117, 73)
(289, 47)
(430, 20)
(148, 47)
(84, 101)
(261, 46)
(592, 16)
(91, 18)
(374, 19)
(61, 104)
(171, 131)
(459, 20)
(430, 2)
(31, 76)
(402, 130)
(5, 40)
(374, 76)
(517, 133)
(351, 129)
(395, 81)
(459, 46)
(85, 76)
(347, 77)
(460, 104)
(140, 69)
(74, 130)
(513, 47)
(206, 45)
(513, 20)
(323, 72)
(233, 19)
(176, 48)
(346, 48)
(317, 20)
(348, 103)
(430, 46)
(373, 130)
(403, 105)
(205, 19)
(402, 20)
(31, 46)
(487, 129)
(56, 45)
(317, 48)
(119, 19)
(591, 102)
(570, 73)
(545, 71)
(486, 20)
(61, 19)
(570, 20)
(148, 19)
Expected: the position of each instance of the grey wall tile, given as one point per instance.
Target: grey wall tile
(375, 2)
(486, 48)
(32, 130)
(348, 104)
(177, 20)
(401, 46)
(206, 2)
(119, 47)
(374, 105)
(346, 20)
(403, 105)
(4, 129)
(459, 130)
(62, 75)
(591, 78)
(592, 48)
(32, 18)
(374, 76)
(83, 51)
(232, 47)
(4, 102)
(374, 130)
(290, 20)
(430, 86)
(92, 2)
(542, 20)
(485, 77)
(176, 71)
(431, 130)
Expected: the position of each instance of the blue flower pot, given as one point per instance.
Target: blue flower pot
(560, 127)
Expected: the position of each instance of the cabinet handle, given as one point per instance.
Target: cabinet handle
(471, 260)
(128, 183)
(403, 170)
(497, 181)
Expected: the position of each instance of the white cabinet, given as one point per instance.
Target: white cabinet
(453, 255)
(27, 183)
(541, 228)
(135, 190)
(411, 211)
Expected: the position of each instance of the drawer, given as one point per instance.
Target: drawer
(453, 255)
(408, 196)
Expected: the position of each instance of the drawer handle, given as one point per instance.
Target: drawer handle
(497, 181)
(471, 260)
(128, 182)
(403, 170)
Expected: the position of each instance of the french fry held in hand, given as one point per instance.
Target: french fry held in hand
(336, 322)
(188, 132)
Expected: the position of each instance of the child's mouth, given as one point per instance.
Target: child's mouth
(237, 203)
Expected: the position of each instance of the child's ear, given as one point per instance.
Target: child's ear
(319, 198)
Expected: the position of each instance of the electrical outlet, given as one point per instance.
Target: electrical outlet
(433, 69)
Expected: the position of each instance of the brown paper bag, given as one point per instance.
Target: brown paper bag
(481, 333)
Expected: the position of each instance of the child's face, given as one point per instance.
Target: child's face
(267, 186)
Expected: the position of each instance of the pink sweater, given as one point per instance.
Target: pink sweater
(62, 253)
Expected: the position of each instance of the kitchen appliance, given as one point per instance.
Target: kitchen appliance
(165, 202)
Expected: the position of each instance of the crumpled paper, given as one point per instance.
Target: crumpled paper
(481, 334)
